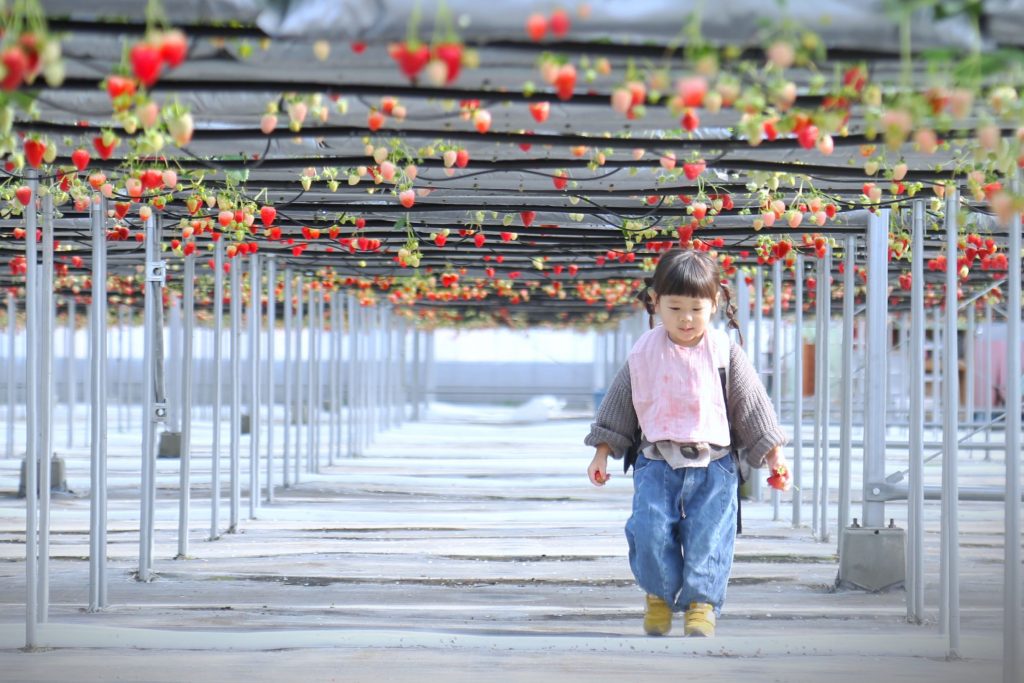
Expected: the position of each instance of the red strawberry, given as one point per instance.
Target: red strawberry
(34, 150)
(120, 85)
(690, 120)
(146, 63)
(527, 217)
(375, 120)
(536, 26)
(573, 269)
(267, 215)
(80, 158)
(24, 194)
(779, 479)
(559, 23)
(76, 261)
(173, 48)
(565, 81)
(440, 239)
(808, 136)
(411, 58)
(479, 239)
(16, 62)
(451, 55)
(540, 111)
(104, 150)
(151, 179)
(693, 169)
(462, 158)
(358, 46)
(692, 90)
(560, 180)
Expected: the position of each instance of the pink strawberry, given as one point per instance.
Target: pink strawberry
(692, 90)
(407, 198)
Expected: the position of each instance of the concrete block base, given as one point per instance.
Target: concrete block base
(873, 559)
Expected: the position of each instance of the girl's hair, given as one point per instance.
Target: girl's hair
(689, 272)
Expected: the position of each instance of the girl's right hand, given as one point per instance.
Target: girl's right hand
(598, 470)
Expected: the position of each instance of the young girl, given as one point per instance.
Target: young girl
(683, 527)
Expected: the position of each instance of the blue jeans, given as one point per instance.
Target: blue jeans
(682, 531)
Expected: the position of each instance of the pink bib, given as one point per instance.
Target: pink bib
(677, 392)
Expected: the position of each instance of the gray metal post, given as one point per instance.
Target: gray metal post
(97, 413)
(969, 334)
(289, 414)
(1013, 667)
(46, 401)
(310, 372)
(798, 388)
(777, 365)
(12, 384)
(155, 273)
(70, 358)
(822, 381)
(875, 363)
(318, 376)
(335, 422)
(271, 324)
(951, 401)
(418, 386)
(915, 502)
(32, 452)
(296, 460)
(938, 353)
(218, 385)
(846, 418)
(255, 289)
(174, 364)
(989, 397)
(354, 334)
(758, 336)
(235, 373)
(121, 370)
(185, 456)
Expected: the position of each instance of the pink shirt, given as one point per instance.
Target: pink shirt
(677, 392)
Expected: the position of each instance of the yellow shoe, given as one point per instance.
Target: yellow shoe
(658, 617)
(700, 620)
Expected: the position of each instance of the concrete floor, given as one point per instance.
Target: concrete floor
(467, 546)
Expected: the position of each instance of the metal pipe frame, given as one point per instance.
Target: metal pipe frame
(353, 376)
(69, 373)
(286, 477)
(310, 372)
(11, 371)
(875, 345)
(46, 405)
(122, 392)
(846, 416)
(1013, 650)
(296, 460)
(951, 400)
(798, 388)
(218, 385)
(915, 503)
(98, 413)
(318, 379)
(824, 289)
(32, 450)
(334, 426)
(235, 428)
(154, 284)
(255, 278)
(777, 365)
(271, 323)
(185, 456)
(174, 361)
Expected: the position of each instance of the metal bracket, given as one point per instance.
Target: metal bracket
(159, 412)
(156, 271)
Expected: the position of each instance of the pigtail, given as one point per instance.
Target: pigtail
(644, 296)
(731, 310)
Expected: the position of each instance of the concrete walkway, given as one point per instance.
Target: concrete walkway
(463, 547)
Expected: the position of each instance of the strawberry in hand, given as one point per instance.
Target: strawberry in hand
(780, 479)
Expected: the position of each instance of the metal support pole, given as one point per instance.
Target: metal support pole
(846, 418)
(354, 343)
(98, 413)
(310, 372)
(1013, 666)
(218, 385)
(777, 365)
(969, 334)
(32, 451)
(46, 402)
(798, 388)
(271, 331)
(915, 502)
(12, 383)
(152, 414)
(122, 370)
(174, 364)
(822, 382)
(185, 456)
(289, 414)
(70, 357)
(318, 376)
(254, 383)
(235, 373)
(296, 460)
(951, 401)
(418, 386)
(875, 363)
(335, 422)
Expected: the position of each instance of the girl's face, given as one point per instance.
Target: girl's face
(685, 317)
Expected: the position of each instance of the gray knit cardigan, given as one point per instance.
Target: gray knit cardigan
(752, 419)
